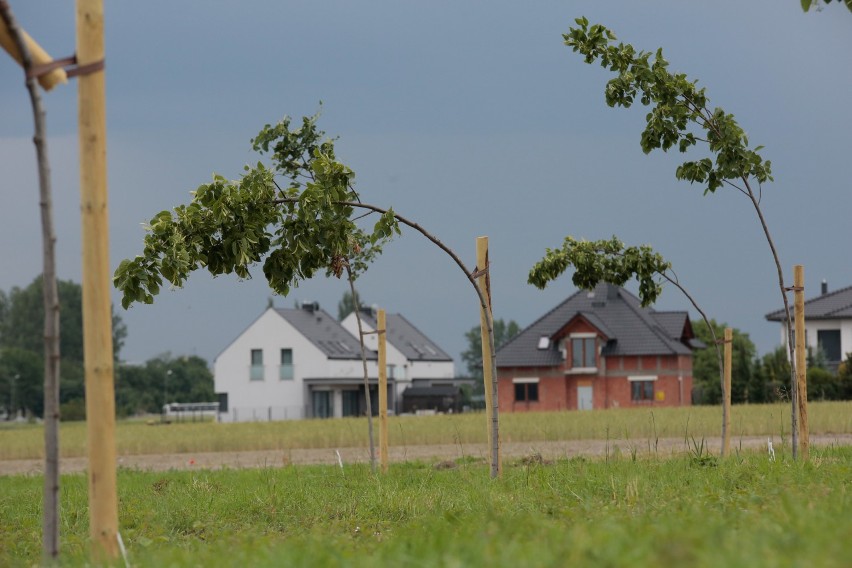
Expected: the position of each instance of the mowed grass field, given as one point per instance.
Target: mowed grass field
(688, 510)
(645, 509)
(25, 441)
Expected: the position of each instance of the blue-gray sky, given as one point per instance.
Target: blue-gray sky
(472, 118)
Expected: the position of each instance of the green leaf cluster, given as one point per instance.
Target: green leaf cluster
(295, 228)
(604, 260)
(680, 115)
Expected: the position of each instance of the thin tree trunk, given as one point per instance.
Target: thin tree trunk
(51, 305)
(364, 363)
(794, 388)
(489, 322)
(755, 201)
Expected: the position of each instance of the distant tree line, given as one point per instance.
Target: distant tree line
(139, 388)
(762, 379)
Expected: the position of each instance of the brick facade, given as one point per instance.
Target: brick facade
(612, 388)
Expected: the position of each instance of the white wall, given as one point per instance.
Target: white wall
(393, 356)
(431, 369)
(812, 326)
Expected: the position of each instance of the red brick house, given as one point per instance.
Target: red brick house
(598, 349)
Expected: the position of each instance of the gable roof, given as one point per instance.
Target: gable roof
(409, 340)
(833, 305)
(325, 332)
(616, 313)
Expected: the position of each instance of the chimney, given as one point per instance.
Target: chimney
(824, 289)
(611, 291)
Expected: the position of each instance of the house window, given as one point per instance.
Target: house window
(351, 403)
(829, 341)
(321, 402)
(391, 371)
(256, 369)
(286, 370)
(526, 390)
(642, 388)
(583, 352)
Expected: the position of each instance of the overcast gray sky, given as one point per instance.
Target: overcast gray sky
(470, 117)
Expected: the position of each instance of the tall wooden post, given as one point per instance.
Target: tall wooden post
(484, 283)
(383, 390)
(97, 306)
(801, 359)
(726, 394)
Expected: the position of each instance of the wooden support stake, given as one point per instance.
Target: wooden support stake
(726, 394)
(488, 372)
(97, 288)
(381, 329)
(801, 359)
(39, 57)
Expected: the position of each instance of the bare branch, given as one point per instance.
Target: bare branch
(51, 301)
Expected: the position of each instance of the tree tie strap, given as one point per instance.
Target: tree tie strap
(37, 71)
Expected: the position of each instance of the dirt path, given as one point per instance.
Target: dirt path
(433, 453)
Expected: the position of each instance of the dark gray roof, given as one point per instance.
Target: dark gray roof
(834, 305)
(673, 323)
(324, 332)
(615, 312)
(409, 340)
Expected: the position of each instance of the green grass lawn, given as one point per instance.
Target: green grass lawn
(133, 437)
(691, 510)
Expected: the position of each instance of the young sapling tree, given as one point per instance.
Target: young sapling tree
(681, 117)
(295, 229)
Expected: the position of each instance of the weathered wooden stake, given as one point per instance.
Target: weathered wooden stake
(801, 359)
(726, 393)
(488, 372)
(97, 288)
(381, 329)
(38, 55)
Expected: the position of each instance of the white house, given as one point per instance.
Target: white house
(303, 363)
(291, 364)
(828, 323)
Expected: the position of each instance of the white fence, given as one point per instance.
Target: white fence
(190, 411)
(262, 414)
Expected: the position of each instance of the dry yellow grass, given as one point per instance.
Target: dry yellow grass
(25, 441)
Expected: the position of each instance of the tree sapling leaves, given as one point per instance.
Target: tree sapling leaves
(229, 226)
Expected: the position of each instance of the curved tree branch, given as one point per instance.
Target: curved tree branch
(470, 277)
